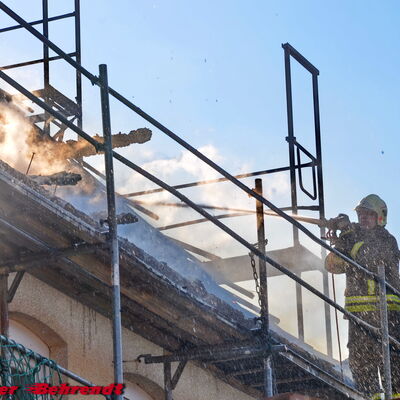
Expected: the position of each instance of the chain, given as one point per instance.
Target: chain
(255, 276)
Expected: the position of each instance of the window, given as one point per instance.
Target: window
(28, 339)
(134, 392)
(139, 387)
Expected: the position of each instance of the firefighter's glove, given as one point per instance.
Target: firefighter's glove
(339, 223)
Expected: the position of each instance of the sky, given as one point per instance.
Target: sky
(213, 72)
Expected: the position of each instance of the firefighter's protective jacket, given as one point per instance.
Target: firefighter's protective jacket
(369, 248)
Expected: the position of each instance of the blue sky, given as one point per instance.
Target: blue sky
(213, 72)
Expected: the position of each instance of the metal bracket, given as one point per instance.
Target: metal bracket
(14, 286)
(122, 219)
(177, 374)
(207, 354)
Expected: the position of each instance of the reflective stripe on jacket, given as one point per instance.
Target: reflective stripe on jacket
(370, 303)
(381, 396)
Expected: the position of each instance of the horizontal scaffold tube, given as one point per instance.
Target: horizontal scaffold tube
(201, 211)
(95, 80)
(200, 155)
(170, 189)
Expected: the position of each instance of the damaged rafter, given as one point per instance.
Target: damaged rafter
(24, 262)
(44, 145)
(60, 179)
(234, 351)
(78, 148)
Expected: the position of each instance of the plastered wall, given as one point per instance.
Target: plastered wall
(81, 340)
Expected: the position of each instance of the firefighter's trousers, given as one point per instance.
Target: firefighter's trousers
(365, 356)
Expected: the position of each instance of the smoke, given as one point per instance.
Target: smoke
(14, 134)
(19, 142)
(186, 167)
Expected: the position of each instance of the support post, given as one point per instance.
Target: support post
(299, 307)
(167, 381)
(78, 59)
(4, 329)
(321, 205)
(268, 387)
(112, 223)
(293, 188)
(290, 138)
(387, 384)
(46, 64)
(4, 305)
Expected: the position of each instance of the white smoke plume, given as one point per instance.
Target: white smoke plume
(186, 167)
(18, 142)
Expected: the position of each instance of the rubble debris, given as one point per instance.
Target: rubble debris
(11, 101)
(122, 219)
(82, 148)
(5, 97)
(46, 148)
(60, 179)
(21, 179)
(133, 255)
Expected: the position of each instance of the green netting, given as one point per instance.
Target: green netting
(23, 367)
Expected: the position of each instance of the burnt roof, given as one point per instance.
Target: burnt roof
(157, 302)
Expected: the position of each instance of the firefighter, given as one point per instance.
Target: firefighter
(370, 245)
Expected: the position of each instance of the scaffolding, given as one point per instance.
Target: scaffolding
(67, 114)
(23, 367)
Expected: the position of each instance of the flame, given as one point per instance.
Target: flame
(19, 140)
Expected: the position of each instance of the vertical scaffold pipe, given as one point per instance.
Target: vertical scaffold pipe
(385, 333)
(4, 330)
(112, 223)
(78, 58)
(46, 64)
(4, 321)
(321, 205)
(293, 183)
(268, 387)
(167, 381)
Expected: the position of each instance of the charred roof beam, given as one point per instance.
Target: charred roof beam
(60, 179)
(215, 353)
(23, 263)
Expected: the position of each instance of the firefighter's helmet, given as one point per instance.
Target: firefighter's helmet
(374, 203)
